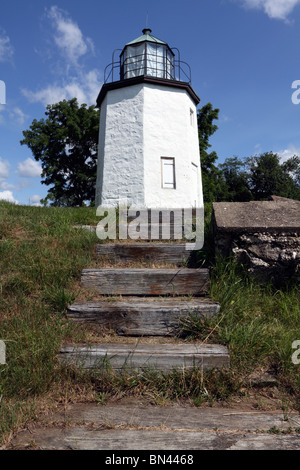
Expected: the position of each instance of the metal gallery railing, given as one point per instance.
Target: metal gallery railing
(147, 64)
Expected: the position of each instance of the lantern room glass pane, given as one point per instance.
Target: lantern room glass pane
(149, 59)
(170, 66)
(155, 60)
(134, 61)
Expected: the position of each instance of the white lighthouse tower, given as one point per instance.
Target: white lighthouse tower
(148, 138)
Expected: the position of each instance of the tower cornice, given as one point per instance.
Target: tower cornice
(147, 80)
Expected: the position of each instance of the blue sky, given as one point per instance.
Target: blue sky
(244, 56)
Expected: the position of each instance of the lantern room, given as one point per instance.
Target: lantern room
(147, 56)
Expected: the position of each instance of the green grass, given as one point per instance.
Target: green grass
(41, 258)
(257, 322)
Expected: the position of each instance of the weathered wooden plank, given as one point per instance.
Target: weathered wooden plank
(179, 417)
(147, 281)
(85, 438)
(160, 252)
(165, 357)
(143, 426)
(153, 231)
(142, 317)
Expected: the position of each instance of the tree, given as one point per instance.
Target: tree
(214, 186)
(66, 145)
(267, 176)
(236, 179)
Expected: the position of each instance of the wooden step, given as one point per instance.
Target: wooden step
(135, 316)
(147, 281)
(164, 357)
(171, 253)
(146, 232)
(152, 232)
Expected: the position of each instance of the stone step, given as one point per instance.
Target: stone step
(143, 282)
(171, 253)
(135, 316)
(150, 356)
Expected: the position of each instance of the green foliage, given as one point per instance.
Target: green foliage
(254, 178)
(236, 179)
(261, 176)
(66, 145)
(267, 176)
(214, 186)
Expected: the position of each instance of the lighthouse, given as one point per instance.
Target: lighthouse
(148, 149)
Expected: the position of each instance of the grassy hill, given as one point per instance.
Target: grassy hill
(41, 258)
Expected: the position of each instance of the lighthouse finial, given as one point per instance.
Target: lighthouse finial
(147, 30)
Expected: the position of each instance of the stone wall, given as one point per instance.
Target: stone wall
(263, 236)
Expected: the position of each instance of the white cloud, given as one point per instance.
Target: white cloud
(74, 80)
(288, 153)
(22, 184)
(68, 36)
(35, 200)
(4, 169)
(29, 168)
(277, 9)
(8, 196)
(5, 185)
(17, 115)
(48, 95)
(85, 87)
(258, 149)
(6, 49)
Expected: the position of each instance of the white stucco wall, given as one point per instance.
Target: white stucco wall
(120, 150)
(168, 133)
(140, 124)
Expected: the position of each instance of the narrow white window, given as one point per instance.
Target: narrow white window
(194, 185)
(192, 118)
(168, 173)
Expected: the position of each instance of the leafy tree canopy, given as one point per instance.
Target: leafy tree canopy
(236, 179)
(214, 186)
(261, 176)
(65, 142)
(267, 176)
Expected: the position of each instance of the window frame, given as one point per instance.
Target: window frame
(162, 159)
(192, 117)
